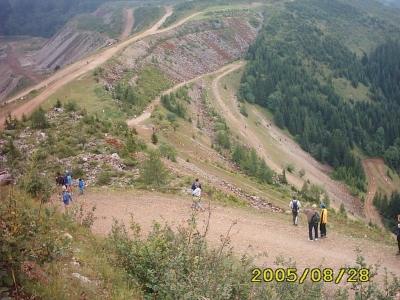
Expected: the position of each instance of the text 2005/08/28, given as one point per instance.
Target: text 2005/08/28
(316, 275)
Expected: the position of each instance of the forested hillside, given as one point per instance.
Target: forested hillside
(41, 17)
(305, 69)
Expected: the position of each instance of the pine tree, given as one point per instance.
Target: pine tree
(153, 170)
(154, 138)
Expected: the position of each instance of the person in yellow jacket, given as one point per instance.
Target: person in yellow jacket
(324, 220)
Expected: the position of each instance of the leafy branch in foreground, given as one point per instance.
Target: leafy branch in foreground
(28, 233)
(179, 264)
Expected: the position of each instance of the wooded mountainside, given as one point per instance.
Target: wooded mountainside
(41, 17)
(294, 69)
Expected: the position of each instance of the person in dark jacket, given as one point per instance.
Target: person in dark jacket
(310, 213)
(195, 183)
(295, 206)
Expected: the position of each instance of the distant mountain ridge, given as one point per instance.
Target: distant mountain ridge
(394, 3)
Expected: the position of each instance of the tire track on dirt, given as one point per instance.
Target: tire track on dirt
(129, 20)
(371, 212)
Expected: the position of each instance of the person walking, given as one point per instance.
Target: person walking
(60, 183)
(313, 220)
(295, 206)
(196, 181)
(81, 185)
(197, 197)
(68, 181)
(67, 199)
(324, 220)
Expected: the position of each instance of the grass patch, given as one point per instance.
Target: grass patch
(94, 99)
(346, 90)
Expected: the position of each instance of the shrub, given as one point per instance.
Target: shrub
(104, 178)
(38, 119)
(71, 106)
(35, 183)
(28, 232)
(130, 162)
(179, 265)
(290, 167)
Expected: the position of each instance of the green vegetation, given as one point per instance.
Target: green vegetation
(293, 78)
(144, 17)
(91, 22)
(389, 208)
(149, 84)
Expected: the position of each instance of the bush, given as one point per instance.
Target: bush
(104, 178)
(130, 162)
(179, 265)
(71, 106)
(290, 167)
(35, 183)
(28, 232)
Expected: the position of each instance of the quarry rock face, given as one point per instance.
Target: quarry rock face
(68, 46)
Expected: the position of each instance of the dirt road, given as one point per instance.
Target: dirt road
(67, 74)
(129, 20)
(254, 233)
(14, 63)
(147, 113)
(371, 213)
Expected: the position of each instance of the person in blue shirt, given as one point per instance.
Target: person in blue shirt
(196, 182)
(81, 185)
(68, 181)
(67, 199)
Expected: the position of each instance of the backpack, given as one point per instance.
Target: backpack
(315, 218)
(60, 180)
(295, 206)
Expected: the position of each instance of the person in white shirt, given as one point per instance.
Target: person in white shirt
(295, 206)
(197, 197)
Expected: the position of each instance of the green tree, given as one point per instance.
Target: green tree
(12, 152)
(38, 119)
(58, 103)
(153, 170)
(167, 150)
(222, 138)
(154, 138)
(283, 178)
(238, 154)
(243, 110)
(265, 174)
(342, 210)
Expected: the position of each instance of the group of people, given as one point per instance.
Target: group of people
(64, 184)
(313, 218)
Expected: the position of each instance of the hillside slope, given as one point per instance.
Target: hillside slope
(199, 58)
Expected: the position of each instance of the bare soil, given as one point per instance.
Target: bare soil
(254, 233)
(129, 20)
(371, 213)
(16, 66)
